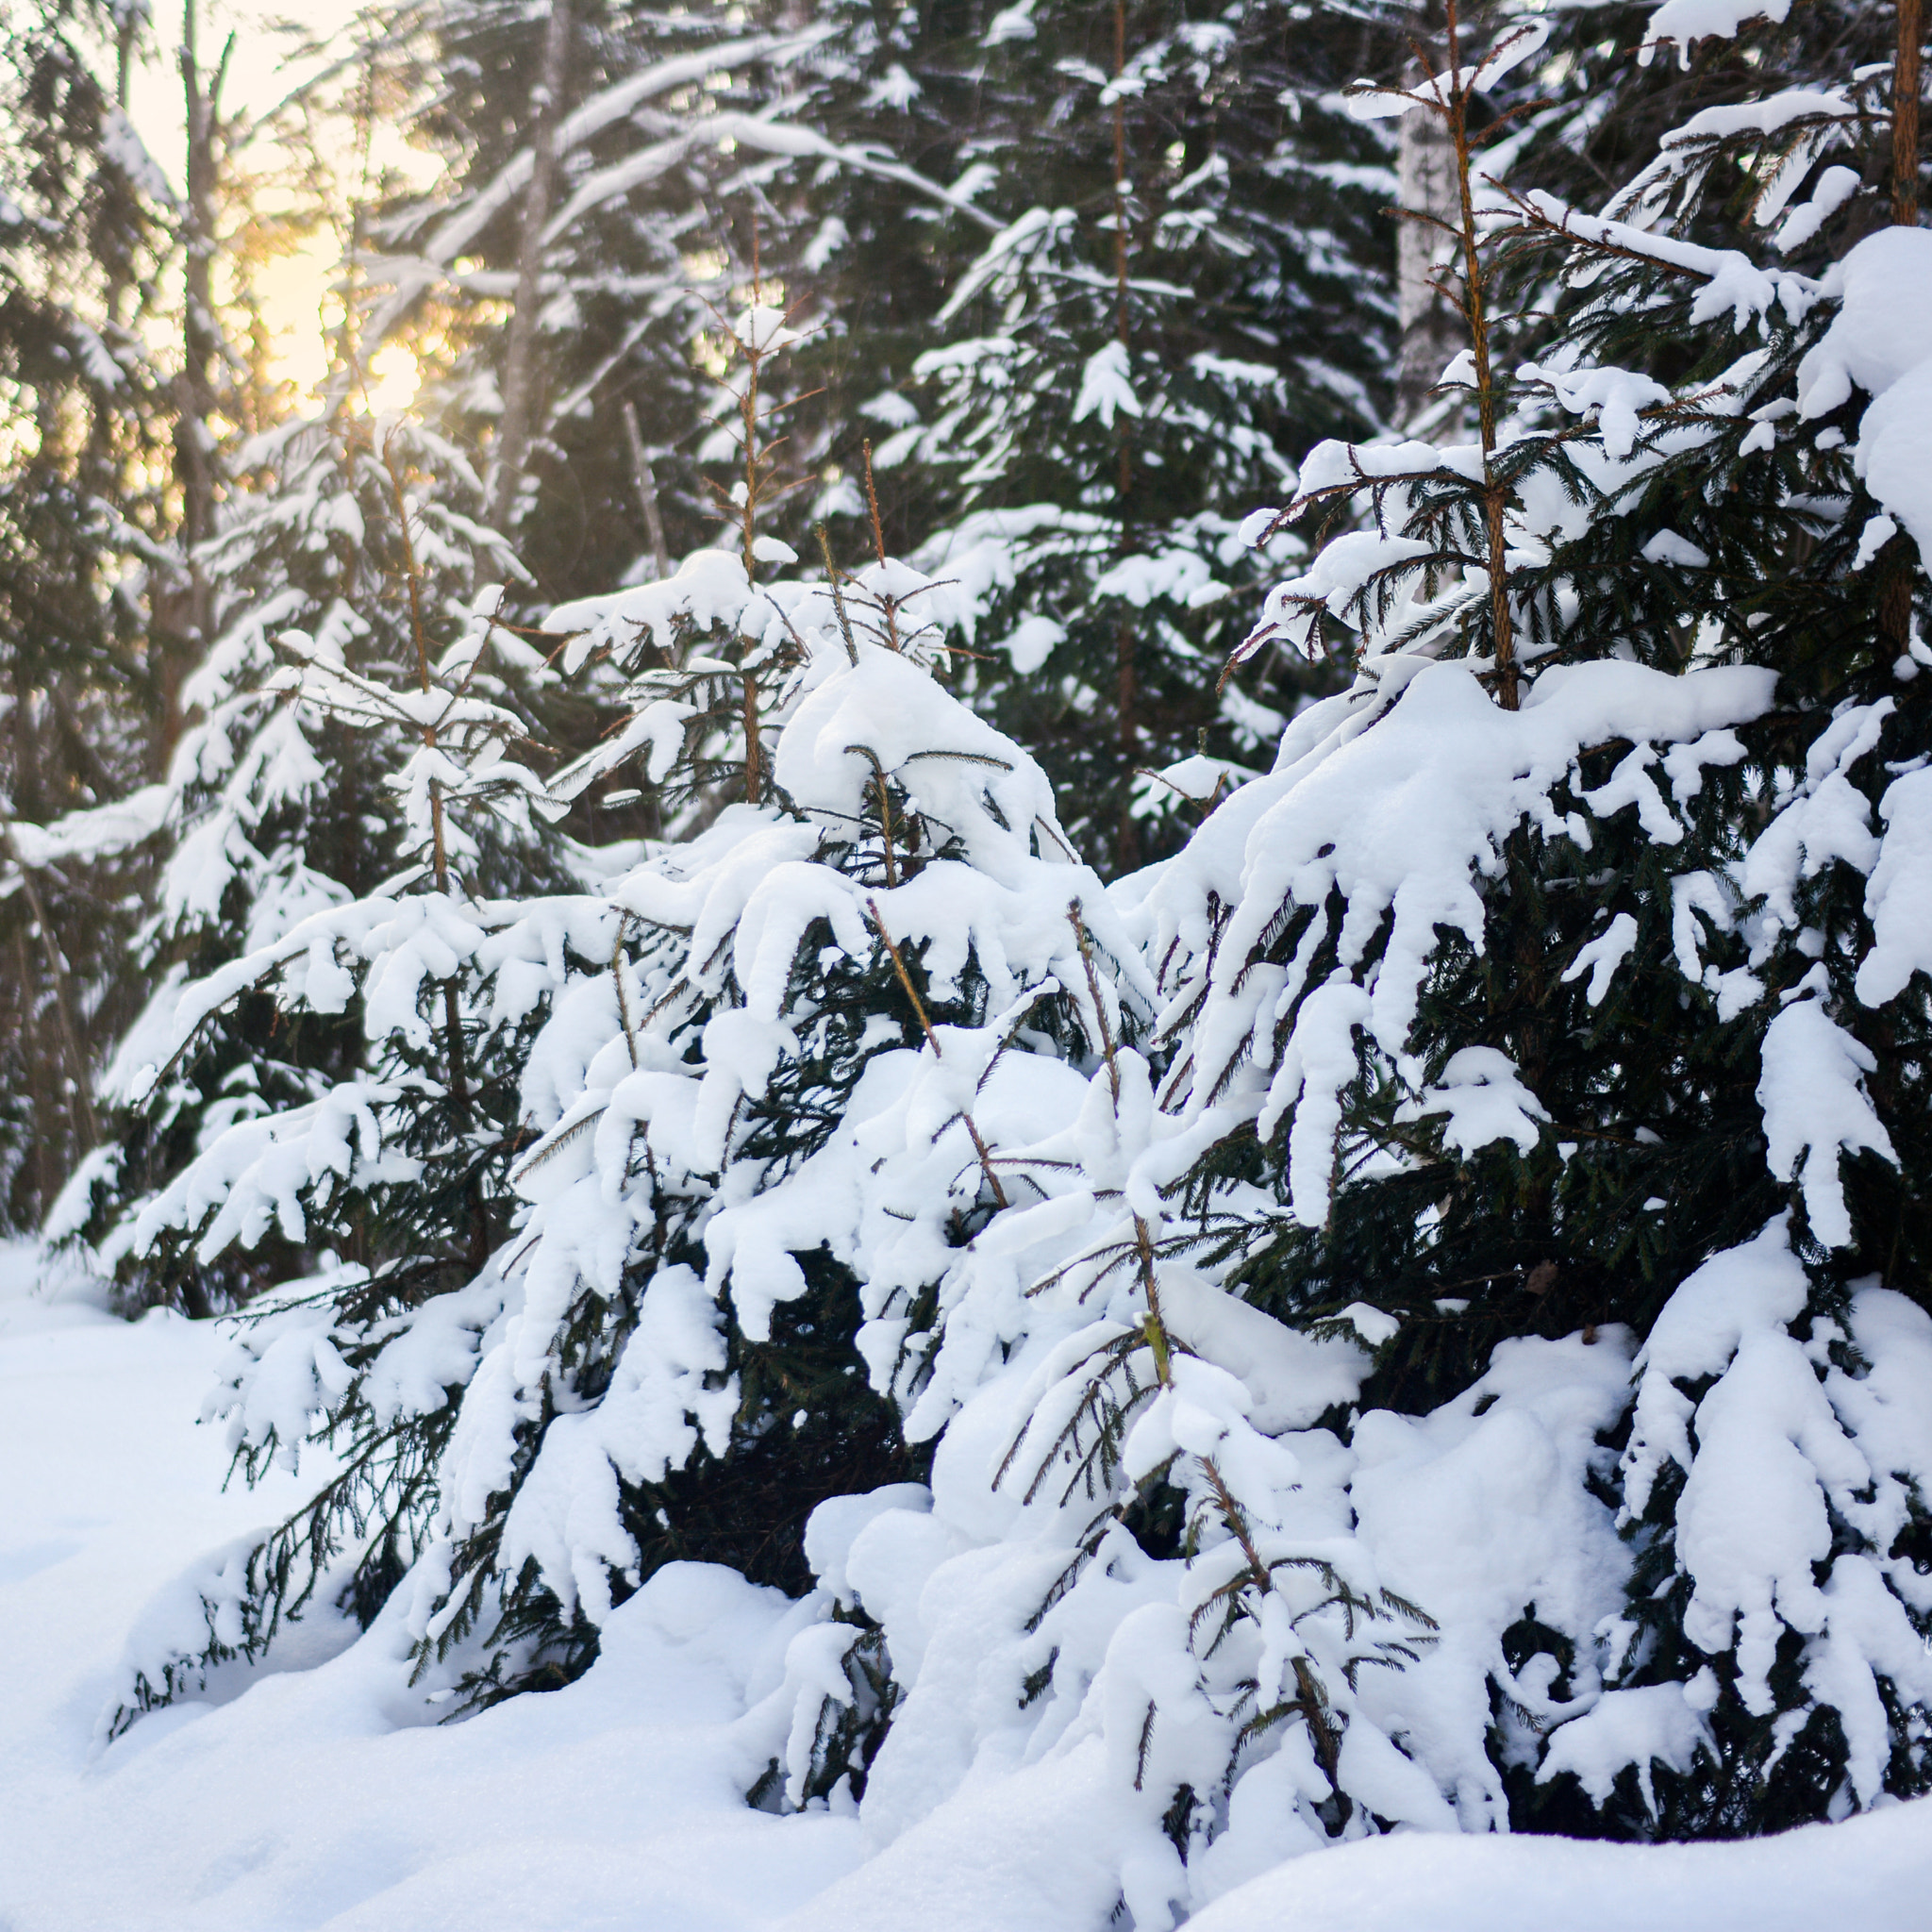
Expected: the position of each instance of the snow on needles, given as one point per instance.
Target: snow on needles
(1397, 818)
(1878, 344)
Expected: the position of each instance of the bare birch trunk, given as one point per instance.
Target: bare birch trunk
(1432, 332)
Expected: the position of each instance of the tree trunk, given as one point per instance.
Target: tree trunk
(1904, 115)
(645, 481)
(1432, 331)
(184, 614)
(519, 362)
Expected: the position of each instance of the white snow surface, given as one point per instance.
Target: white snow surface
(1685, 22)
(1869, 1872)
(1877, 342)
(319, 1791)
(328, 1795)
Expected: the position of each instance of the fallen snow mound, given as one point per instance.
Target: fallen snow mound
(323, 1794)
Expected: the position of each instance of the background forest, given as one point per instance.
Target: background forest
(959, 211)
(1101, 830)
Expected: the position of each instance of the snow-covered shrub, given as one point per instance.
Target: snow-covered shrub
(842, 999)
(652, 1357)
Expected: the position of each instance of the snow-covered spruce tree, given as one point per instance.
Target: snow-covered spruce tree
(1819, 1556)
(357, 535)
(1563, 979)
(862, 965)
(850, 998)
(1603, 108)
(1189, 288)
(1136, 1571)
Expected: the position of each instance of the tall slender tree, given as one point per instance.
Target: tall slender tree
(85, 527)
(359, 536)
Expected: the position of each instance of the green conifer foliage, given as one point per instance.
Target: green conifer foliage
(773, 978)
(1188, 287)
(356, 533)
(1562, 1083)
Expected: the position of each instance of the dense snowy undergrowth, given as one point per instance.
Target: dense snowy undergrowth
(1396, 1332)
(327, 1796)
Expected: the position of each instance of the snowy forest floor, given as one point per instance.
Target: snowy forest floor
(316, 1796)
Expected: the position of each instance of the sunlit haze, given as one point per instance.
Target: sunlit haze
(293, 290)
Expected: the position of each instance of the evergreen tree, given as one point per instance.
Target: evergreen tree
(868, 166)
(876, 243)
(384, 1171)
(1188, 287)
(356, 534)
(1533, 1045)
(855, 967)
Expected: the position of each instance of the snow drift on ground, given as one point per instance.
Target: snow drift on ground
(319, 1797)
